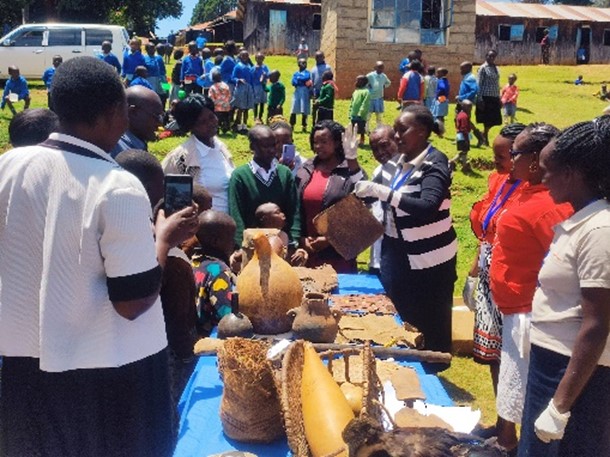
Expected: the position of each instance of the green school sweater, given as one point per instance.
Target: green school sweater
(327, 96)
(247, 192)
(360, 104)
(277, 94)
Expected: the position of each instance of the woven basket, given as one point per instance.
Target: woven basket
(290, 385)
(250, 409)
(349, 226)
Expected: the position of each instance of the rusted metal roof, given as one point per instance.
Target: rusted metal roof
(225, 17)
(538, 11)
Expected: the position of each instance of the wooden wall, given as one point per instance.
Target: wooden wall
(527, 52)
(299, 23)
(345, 32)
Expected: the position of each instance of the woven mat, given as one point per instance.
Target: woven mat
(381, 330)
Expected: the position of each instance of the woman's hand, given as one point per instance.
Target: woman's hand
(316, 244)
(369, 189)
(299, 258)
(350, 142)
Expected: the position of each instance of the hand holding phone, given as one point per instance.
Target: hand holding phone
(288, 154)
(178, 193)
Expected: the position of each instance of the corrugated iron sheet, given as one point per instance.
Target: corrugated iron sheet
(538, 11)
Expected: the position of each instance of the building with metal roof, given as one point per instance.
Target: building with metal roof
(578, 34)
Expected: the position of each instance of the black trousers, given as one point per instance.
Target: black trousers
(423, 298)
(103, 412)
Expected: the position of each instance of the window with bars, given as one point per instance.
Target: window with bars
(410, 21)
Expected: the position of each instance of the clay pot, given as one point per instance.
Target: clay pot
(314, 321)
(235, 323)
(268, 287)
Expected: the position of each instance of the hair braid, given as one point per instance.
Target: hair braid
(511, 131)
(538, 135)
(585, 147)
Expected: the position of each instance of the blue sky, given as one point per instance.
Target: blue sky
(167, 25)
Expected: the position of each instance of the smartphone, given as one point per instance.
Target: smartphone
(288, 153)
(178, 193)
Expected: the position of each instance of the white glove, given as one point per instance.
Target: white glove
(364, 189)
(469, 291)
(551, 424)
(350, 142)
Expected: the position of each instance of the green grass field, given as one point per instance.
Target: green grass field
(546, 94)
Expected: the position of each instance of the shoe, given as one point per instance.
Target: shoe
(467, 168)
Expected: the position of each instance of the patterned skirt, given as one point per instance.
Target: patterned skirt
(487, 319)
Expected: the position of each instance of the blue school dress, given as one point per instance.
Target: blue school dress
(259, 82)
(300, 99)
(243, 95)
(226, 71)
(441, 108)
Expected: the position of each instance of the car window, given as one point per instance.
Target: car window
(95, 37)
(64, 37)
(29, 38)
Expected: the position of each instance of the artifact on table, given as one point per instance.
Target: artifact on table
(250, 408)
(268, 288)
(406, 384)
(314, 321)
(383, 330)
(409, 417)
(235, 323)
(367, 438)
(322, 279)
(293, 380)
(349, 226)
(207, 346)
(247, 244)
(363, 303)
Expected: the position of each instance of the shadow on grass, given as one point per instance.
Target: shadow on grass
(458, 395)
(524, 110)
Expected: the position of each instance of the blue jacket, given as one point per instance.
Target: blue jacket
(208, 65)
(300, 78)
(47, 77)
(17, 86)
(257, 73)
(131, 61)
(139, 81)
(111, 59)
(191, 66)
(404, 65)
(241, 71)
(469, 88)
(152, 65)
(226, 69)
(442, 88)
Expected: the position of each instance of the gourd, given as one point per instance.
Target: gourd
(268, 288)
(326, 412)
(353, 395)
(235, 323)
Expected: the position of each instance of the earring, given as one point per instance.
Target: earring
(533, 167)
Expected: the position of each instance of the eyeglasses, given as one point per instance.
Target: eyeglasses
(157, 117)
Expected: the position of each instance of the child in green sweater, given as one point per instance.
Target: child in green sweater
(359, 108)
(326, 101)
(277, 95)
(263, 180)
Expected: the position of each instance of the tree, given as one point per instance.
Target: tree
(137, 15)
(206, 10)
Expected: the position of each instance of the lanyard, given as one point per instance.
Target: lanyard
(398, 181)
(495, 207)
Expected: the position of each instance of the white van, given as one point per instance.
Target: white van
(31, 47)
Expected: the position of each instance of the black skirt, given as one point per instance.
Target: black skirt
(489, 113)
(103, 412)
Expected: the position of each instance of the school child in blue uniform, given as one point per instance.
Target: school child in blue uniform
(108, 57)
(228, 64)
(140, 78)
(47, 77)
(156, 71)
(15, 85)
(243, 96)
(208, 64)
(260, 75)
(440, 108)
(192, 70)
(132, 60)
(301, 80)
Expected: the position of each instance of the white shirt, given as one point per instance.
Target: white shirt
(579, 257)
(210, 168)
(69, 222)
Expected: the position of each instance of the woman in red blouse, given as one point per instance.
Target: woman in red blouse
(321, 182)
(502, 189)
(524, 232)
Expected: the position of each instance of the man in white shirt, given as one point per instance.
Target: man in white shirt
(81, 326)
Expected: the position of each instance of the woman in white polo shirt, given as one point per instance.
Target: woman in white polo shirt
(567, 406)
(203, 155)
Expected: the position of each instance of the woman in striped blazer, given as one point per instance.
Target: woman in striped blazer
(418, 254)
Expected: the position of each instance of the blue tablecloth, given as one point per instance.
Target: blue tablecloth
(200, 431)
